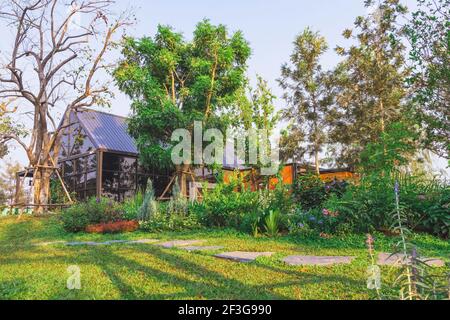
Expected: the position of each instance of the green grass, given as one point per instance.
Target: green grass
(150, 272)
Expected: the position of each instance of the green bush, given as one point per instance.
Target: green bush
(368, 206)
(94, 211)
(149, 206)
(132, 206)
(272, 223)
(170, 216)
(167, 220)
(311, 192)
(243, 210)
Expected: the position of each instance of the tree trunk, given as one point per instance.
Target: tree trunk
(182, 173)
(42, 189)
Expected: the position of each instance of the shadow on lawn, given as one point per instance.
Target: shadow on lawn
(26, 230)
(191, 279)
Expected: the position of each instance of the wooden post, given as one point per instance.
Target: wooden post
(99, 182)
(62, 181)
(18, 186)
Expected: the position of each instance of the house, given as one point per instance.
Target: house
(98, 157)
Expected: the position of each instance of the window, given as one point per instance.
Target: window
(119, 176)
(74, 140)
(80, 176)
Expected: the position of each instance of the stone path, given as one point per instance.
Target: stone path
(46, 244)
(179, 243)
(243, 256)
(200, 248)
(143, 241)
(316, 261)
(386, 259)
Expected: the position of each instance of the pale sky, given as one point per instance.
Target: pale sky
(269, 26)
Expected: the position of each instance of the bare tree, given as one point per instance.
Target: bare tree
(57, 59)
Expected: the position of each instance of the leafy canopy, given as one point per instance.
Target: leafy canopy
(174, 82)
(307, 93)
(371, 88)
(429, 35)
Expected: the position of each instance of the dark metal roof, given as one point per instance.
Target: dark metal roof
(107, 131)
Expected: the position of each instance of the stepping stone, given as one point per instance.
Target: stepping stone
(73, 244)
(199, 248)
(179, 243)
(243, 256)
(142, 241)
(387, 259)
(108, 243)
(45, 244)
(316, 261)
(115, 242)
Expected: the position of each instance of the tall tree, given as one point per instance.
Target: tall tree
(174, 82)
(56, 59)
(370, 81)
(307, 95)
(255, 110)
(8, 183)
(429, 35)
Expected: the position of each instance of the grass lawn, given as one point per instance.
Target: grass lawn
(149, 272)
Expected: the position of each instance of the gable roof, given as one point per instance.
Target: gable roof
(107, 131)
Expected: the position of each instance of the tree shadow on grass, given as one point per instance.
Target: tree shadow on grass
(172, 269)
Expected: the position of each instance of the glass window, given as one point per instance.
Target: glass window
(110, 180)
(114, 162)
(128, 164)
(127, 180)
(74, 140)
(91, 180)
(81, 165)
(80, 142)
(80, 182)
(91, 163)
(68, 168)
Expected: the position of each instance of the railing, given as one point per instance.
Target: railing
(17, 209)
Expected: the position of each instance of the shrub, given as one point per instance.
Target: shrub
(149, 206)
(113, 227)
(178, 204)
(75, 218)
(163, 222)
(233, 205)
(272, 223)
(368, 206)
(225, 207)
(132, 206)
(94, 211)
(166, 220)
(311, 192)
(171, 216)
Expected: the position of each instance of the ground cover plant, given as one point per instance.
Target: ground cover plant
(28, 271)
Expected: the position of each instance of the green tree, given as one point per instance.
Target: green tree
(174, 82)
(429, 35)
(8, 128)
(308, 96)
(393, 150)
(370, 82)
(8, 183)
(256, 109)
